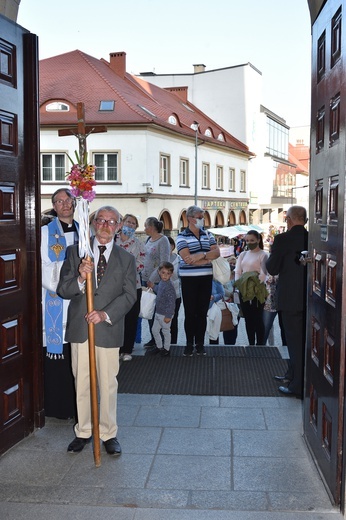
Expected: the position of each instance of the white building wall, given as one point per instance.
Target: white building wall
(139, 164)
(233, 97)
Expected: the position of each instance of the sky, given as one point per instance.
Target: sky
(168, 37)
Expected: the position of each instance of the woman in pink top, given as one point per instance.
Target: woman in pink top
(253, 259)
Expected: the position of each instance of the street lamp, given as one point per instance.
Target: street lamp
(297, 188)
(194, 127)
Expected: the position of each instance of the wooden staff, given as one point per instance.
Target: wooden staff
(81, 134)
(93, 374)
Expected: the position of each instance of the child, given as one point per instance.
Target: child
(165, 307)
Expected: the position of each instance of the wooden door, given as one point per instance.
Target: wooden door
(325, 363)
(21, 401)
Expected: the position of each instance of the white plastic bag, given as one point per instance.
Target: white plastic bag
(148, 301)
(221, 270)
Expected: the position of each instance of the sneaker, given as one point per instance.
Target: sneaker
(126, 357)
(188, 352)
(153, 351)
(164, 352)
(150, 343)
(200, 351)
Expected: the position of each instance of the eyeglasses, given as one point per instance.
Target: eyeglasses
(103, 221)
(61, 202)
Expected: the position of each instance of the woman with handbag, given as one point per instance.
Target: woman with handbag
(127, 240)
(250, 276)
(197, 248)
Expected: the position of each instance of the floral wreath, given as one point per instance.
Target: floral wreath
(82, 179)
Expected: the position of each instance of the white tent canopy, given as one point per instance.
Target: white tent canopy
(233, 231)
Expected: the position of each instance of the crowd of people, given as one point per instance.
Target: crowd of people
(259, 285)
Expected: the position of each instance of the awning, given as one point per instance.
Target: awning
(233, 231)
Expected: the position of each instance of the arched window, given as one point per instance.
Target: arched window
(57, 106)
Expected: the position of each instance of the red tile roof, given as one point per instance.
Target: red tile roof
(77, 77)
(300, 167)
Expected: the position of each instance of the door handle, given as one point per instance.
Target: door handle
(305, 258)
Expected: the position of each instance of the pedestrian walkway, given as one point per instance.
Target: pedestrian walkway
(184, 458)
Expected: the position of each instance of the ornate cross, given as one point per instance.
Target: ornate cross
(82, 131)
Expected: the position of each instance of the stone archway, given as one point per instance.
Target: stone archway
(242, 217)
(219, 219)
(165, 217)
(207, 220)
(232, 221)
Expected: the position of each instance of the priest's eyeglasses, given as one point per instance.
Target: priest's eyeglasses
(61, 202)
(103, 221)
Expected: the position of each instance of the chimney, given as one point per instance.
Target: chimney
(199, 67)
(179, 91)
(117, 62)
(9, 9)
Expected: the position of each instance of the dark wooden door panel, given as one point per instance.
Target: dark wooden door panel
(20, 316)
(325, 362)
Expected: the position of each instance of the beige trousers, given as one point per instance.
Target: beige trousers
(107, 367)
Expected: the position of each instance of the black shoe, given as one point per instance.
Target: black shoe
(164, 352)
(153, 351)
(150, 343)
(286, 391)
(282, 379)
(188, 352)
(200, 351)
(77, 444)
(112, 447)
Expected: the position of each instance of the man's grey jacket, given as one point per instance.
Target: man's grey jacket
(115, 295)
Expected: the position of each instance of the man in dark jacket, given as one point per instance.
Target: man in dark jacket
(291, 293)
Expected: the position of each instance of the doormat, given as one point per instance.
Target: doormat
(226, 371)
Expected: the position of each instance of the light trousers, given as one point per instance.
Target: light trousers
(107, 367)
(159, 327)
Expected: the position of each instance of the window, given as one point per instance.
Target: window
(242, 180)
(219, 177)
(107, 106)
(106, 167)
(184, 172)
(172, 120)
(277, 139)
(147, 111)
(231, 179)
(205, 176)
(53, 167)
(208, 133)
(165, 166)
(56, 106)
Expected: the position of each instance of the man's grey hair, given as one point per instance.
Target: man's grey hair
(297, 214)
(192, 210)
(108, 208)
